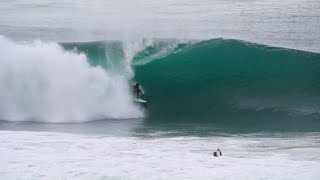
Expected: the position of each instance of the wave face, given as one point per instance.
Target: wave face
(44, 82)
(232, 83)
(227, 83)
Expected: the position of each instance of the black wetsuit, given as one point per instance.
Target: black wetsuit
(137, 90)
(216, 153)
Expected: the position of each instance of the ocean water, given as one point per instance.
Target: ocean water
(241, 76)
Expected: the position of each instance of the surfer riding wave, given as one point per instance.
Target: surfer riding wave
(137, 90)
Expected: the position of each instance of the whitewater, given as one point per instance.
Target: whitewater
(241, 76)
(99, 157)
(42, 82)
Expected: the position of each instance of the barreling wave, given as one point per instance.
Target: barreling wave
(232, 82)
(225, 82)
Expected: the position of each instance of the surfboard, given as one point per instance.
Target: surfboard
(140, 100)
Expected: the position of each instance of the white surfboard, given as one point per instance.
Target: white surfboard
(140, 100)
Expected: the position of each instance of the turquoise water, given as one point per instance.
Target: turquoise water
(241, 76)
(229, 84)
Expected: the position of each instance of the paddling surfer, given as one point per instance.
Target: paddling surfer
(218, 153)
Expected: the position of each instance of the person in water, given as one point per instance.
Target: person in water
(218, 153)
(137, 90)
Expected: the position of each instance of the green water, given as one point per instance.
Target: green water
(227, 84)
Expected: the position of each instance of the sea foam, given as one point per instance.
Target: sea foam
(43, 82)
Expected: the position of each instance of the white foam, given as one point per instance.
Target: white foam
(42, 82)
(38, 155)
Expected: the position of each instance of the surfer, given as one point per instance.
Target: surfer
(218, 153)
(137, 90)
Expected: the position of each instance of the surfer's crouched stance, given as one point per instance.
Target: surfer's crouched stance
(218, 153)
(137, 90)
